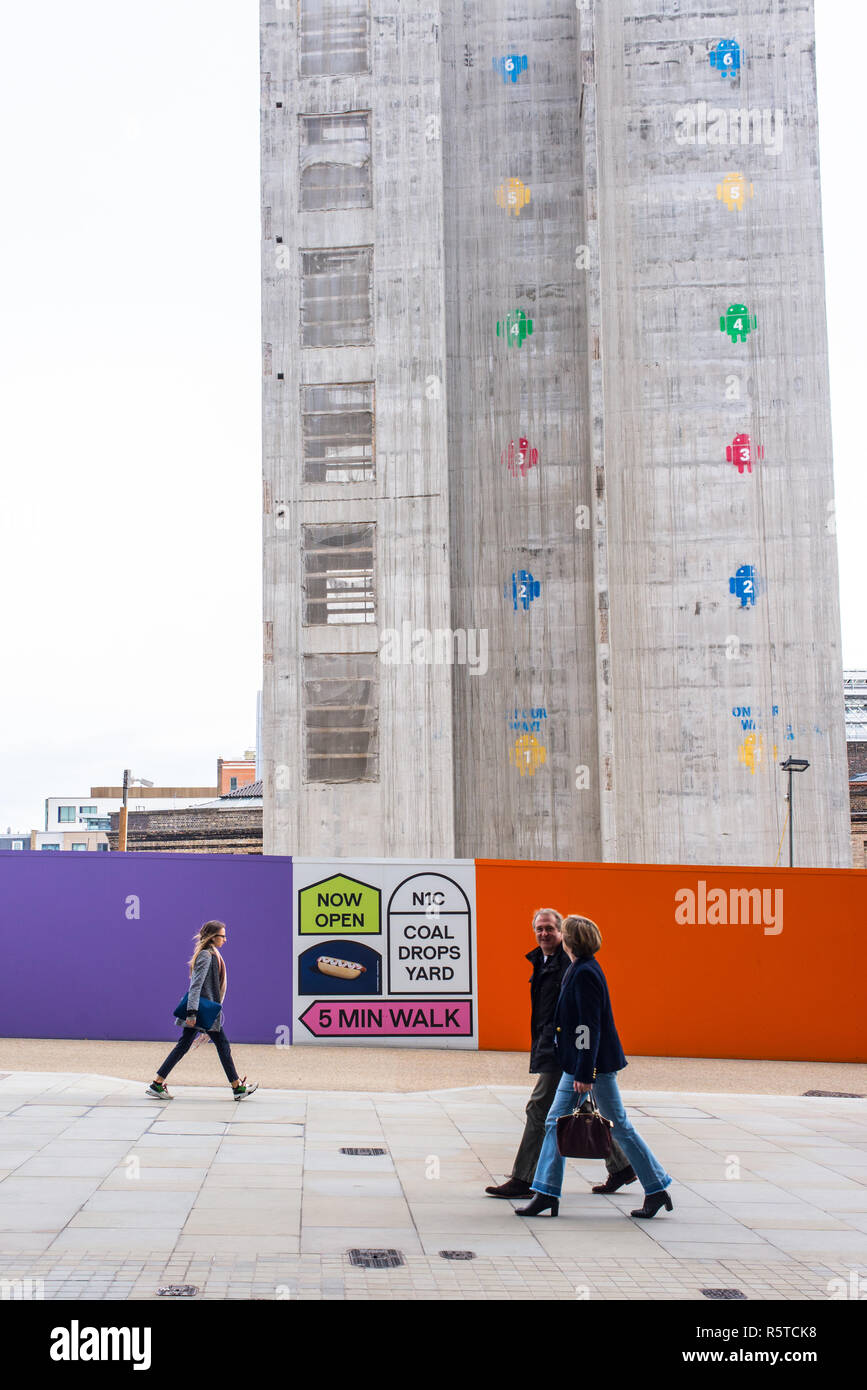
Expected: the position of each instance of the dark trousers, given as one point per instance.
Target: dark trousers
(185, 1042)
(538, 1105)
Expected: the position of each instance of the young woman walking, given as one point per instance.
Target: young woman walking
(207, 983)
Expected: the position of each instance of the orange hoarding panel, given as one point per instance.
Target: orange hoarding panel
(701, 962)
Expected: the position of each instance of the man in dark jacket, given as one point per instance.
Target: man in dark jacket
(549, 962)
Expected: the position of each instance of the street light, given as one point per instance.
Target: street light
(793, 765)
(128, 781)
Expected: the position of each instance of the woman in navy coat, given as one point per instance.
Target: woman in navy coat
(590, 1054)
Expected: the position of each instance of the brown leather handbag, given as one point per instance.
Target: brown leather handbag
(585, 1133)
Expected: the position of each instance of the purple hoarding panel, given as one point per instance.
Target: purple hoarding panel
(77, 962)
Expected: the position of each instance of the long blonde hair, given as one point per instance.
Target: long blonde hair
(204, 939)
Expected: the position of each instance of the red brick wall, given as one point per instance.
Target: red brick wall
(240, 768)
(857, 753)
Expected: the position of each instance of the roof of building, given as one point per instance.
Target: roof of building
(250, 789)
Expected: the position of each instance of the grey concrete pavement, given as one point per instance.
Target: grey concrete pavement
(104, 1193)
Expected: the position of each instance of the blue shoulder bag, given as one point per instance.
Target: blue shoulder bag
(205, 1014)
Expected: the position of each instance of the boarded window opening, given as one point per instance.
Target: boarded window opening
(337, 433)
(335, 37)
(335, 161)
(337, 297)
(340, 717)
(338, 573)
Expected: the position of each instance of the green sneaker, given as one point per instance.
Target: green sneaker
(243, 1091)
(158, 1091)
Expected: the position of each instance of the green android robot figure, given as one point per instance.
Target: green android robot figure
(516, 328)
(738, 322)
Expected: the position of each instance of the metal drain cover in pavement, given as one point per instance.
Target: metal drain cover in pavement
(722, 1293)
(836, 1095)
(457, 1254)
(179, 1290)
(376, 1259)
(363, 1153)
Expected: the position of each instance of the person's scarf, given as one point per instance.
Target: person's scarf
(223, 974)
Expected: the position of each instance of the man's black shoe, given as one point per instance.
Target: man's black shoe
(513, 1187)
(616, 1181)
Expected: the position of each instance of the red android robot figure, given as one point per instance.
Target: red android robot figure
(520, 461)
(740, 453)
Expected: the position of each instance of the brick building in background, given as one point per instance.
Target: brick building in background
(232, 824)
(234, 773)
(91, 822)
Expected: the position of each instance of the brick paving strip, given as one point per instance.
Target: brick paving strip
(106, 1194)
(327, 1068)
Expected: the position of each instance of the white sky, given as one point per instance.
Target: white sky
(130, 488)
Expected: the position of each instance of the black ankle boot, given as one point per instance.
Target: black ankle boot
(652, 1204)
(539, 1205)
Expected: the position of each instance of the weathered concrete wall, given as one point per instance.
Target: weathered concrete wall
(693, 781)
(515, 133)
(408, 811)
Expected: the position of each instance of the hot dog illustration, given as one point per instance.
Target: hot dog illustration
(343, 969)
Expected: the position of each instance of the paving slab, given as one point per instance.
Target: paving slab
(267, 1175)
(164, 1156)
(43, 1197)
(154, 1179)
(250, 1200)
(168, 1204)
(226, 1221)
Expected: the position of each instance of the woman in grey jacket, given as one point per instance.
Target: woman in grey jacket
(207, 981)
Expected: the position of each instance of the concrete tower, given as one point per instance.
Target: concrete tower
(357, 753)
(550, 564)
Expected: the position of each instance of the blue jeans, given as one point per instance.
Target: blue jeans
(548, 1177)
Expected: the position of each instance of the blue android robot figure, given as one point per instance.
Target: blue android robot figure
(524, 589)
(726, 57)
(511, 66)
(743, 584)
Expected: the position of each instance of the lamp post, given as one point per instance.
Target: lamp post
(793, 765)
(128, 781)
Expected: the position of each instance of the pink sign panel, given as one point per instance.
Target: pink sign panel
(398, 1018)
